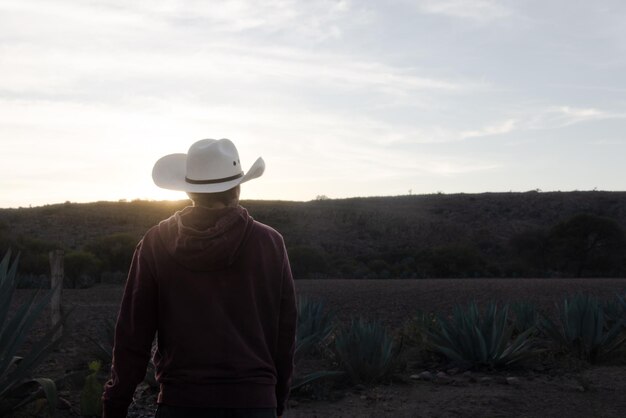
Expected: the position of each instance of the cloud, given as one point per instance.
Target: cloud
(317, 21)
(561, 116)
(477, 10)
(497, 129)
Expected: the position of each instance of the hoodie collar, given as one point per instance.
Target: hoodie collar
(203, 239)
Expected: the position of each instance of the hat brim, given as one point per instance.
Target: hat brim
(169, 173)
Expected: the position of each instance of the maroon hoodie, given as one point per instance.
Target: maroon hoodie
(216, 287)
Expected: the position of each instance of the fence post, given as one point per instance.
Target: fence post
(56, 282)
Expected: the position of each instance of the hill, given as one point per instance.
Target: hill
(438, 235)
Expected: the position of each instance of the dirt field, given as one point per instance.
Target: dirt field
(570, 390)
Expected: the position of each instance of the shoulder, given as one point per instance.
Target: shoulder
(266, 234)
(150, 237)
(263, 229)
(149, 243)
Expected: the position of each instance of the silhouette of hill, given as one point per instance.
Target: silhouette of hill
(357, 237)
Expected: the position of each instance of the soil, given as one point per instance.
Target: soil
(558, 387)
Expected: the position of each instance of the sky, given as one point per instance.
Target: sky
(341, 98)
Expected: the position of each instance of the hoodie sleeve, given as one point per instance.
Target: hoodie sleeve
(134, 333)
(286, 337)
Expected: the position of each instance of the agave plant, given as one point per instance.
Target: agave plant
(620, 311)
(365, 351)
(525, 316)
(315, 325)
(474, 340)
(104, 352)
(583, 330)
(414, 333)
(622, 301)
(14, 370)
(614, 311)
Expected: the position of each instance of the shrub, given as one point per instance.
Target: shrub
(15, 386)
(416, 331)
(588, 245)
(582, 329)
(78, 263)
(308, 261)
(365, 351)
(91, 395)
(474, 340)
(115, 251)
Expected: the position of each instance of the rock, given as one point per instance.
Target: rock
(459, 382)
(485, 380)
(359, 388)
(425, 375)
(513, 381)
(453, 371)
(501, 380)
(63, 403)
(443, 378)
(414, 377)
(470, 376)
(337, 395)
(363, 397)
(85, 281)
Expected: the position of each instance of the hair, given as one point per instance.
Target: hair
(227, 198)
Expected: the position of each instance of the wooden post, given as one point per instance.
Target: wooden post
(56, 282)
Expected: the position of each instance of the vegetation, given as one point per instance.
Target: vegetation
(583, 330)
(587, 244)
(525, 316)
(487, 235)
(474, 340)
(365, 352)
(315, 325)
(91, 395)
(15, 384)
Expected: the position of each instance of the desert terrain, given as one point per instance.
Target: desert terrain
(551, 387)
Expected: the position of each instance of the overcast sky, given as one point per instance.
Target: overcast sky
(341, 98)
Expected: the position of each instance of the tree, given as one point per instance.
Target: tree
(532, 249)
(306, 261)
(587, 245)
(115, 251)
(77, 263)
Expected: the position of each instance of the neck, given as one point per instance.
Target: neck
(217, 205)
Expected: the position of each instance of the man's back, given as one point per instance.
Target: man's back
(216, 287)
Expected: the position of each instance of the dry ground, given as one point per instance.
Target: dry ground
(572, 390)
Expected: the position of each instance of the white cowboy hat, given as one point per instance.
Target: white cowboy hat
(210, 166)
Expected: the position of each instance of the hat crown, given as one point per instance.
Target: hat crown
(211, 159)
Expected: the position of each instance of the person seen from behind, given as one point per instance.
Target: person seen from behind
(215, 286)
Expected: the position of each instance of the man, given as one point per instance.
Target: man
(216, 288)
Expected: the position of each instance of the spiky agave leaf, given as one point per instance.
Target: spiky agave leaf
(300, 381)
(49, 389)
(14, 370)
(476, 340)
(365, 351)
(525, 316)
(583, 329)
(315, 324)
